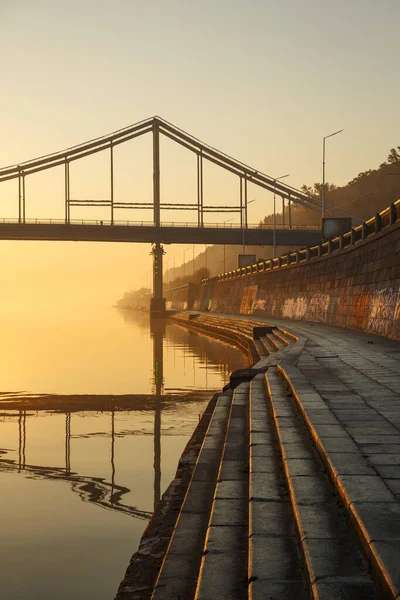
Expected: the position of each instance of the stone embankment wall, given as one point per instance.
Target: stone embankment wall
(183, 297)
(356, 287)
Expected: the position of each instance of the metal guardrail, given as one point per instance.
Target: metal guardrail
(108, 223)
(383, 219)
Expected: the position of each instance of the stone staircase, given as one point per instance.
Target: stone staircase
(275, 508)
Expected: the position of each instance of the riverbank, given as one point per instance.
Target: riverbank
(295, 490)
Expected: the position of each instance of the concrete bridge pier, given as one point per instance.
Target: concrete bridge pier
(157, 302)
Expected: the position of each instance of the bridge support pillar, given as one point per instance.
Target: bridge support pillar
(157, 302)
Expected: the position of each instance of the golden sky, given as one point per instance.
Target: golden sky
(263, 81)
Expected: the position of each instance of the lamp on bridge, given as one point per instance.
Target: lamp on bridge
(323, 169)
(283, 212)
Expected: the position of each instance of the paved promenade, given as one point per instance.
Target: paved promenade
(296, 490)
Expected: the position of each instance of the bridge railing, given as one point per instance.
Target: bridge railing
(127, 223)
(383, 219)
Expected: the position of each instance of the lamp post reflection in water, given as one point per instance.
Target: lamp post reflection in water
(157, 328)
(112, 456)
(68, 444)
(21, 439)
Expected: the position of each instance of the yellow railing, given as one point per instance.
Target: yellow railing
(383, 219)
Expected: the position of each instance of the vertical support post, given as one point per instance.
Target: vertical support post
(283, 211)
(290, 212)
(378, 222)
(323, 178)
(201, 190)
(23, 197)
(112, 181)
(198, 191)
(67, 208)
(393, 213)
(245, 203)
(156, 173)
(19, 197)
(364, 231)
(200, 215)
(241, 201)
(274, 230)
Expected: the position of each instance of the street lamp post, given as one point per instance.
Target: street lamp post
(274, 232)
(249, 202)
(227, 221)
(323, 169)
(184, 261)
(167, 269)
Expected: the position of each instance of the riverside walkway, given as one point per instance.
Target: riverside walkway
(296, 490)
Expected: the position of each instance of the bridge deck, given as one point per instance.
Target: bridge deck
(150, 234)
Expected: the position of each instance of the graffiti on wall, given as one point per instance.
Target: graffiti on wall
(360, 309)
(294, 308)
(260, 305)
(318, 307)
(248, 299)
(382, 310)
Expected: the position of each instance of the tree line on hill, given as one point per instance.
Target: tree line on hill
(368, 193)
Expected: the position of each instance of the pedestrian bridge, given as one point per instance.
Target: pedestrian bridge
(168, 233)
(157, 229)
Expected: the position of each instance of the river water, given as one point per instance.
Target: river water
(95, 413)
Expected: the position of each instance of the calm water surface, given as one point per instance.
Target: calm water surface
(95, 412)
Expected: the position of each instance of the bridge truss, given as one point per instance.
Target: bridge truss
(157, 126)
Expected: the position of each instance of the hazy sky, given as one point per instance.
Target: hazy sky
(263, 81)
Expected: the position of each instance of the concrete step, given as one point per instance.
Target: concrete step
(273, 341)
(223, 572)
(280, 338)
(370, 504)
(261, 349)
(274, 556)
(268, 348)
(178, 574)
(334, 562)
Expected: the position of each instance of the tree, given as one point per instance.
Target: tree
(394, 155)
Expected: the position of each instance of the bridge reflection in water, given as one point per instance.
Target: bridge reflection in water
(103, 491)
